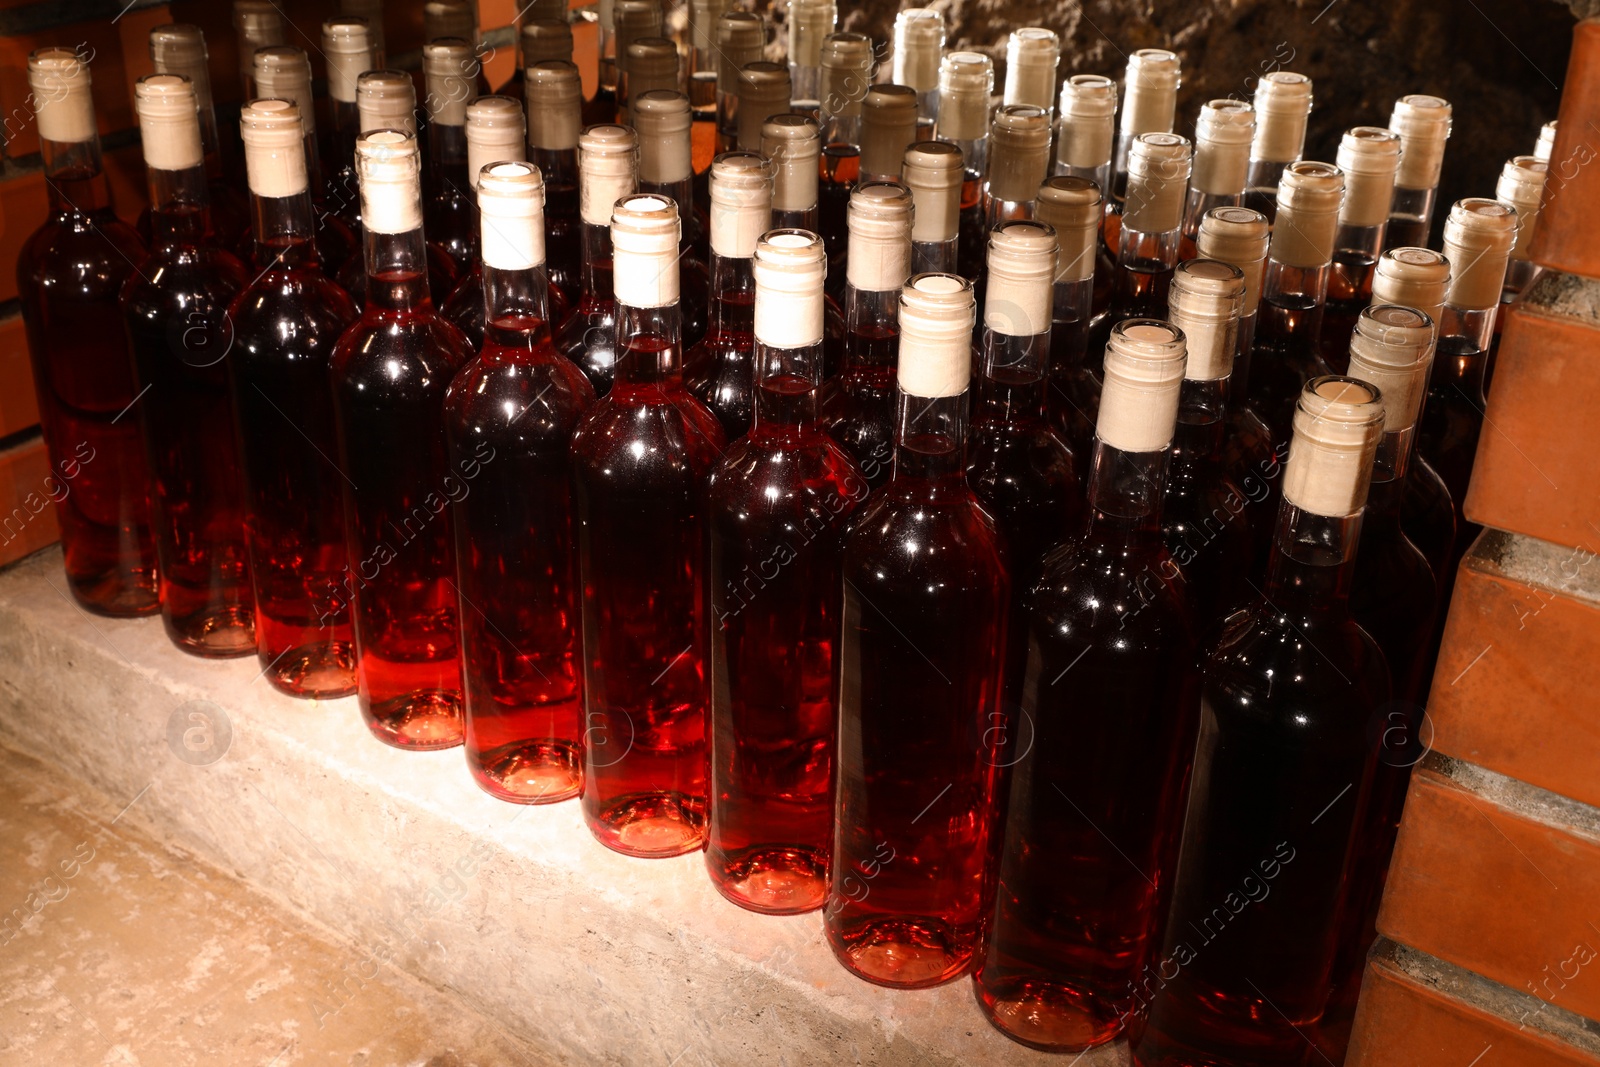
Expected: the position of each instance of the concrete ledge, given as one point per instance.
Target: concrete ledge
(592, 957)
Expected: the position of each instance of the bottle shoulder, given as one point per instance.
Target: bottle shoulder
(1267, 664)
(763, 483)
(84, 251)
(398, 352)
(291, 309)
(533, 400)
(946, 536)
(639, 431)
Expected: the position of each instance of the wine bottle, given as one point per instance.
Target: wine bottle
(1423, 123)
(933, 171)
(1281, 778)
(1086, 131)
(449, 215)
(641, 459)
(703, 63)
(846, 75)
(1368, 155)
(180, 48)
(794, 146)
(347, 49)
(1072, 206)
(371, 12)
(718, 370)
(809, 23)
(888, 128)
(515, 531)
(608, 159)
(1283, 106)
(763, 93)
(1521, 187)
(740, 37)
(858, 404)
(256, 24)
(1546, 143)
(176, 308)
(455, 20)
(1150, 231)
(666, 168)
(285, 325)
(919, 36)
(390, 372)
(554, 114)
(1019, 161)
(1102, 755)
(779, 503)
(69, 275)
(1149, 103)
(652, 67)
(1032, 55)
(966, 82)
(921, 658)
(1222, 138)
(1239, 236)
(538, 40)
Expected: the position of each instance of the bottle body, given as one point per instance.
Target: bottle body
(718, 369)
(858, 403)
(588, 337)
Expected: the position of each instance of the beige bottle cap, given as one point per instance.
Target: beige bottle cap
(1338, 422)
(937, 312)
(62, 97)
(1205, 301)
(1021, 278)
(1478, 236)
(1072, 207)
(1019, 151)
(347, 48)
(1222, 139)
(794, 144)
(918, 44)
(652, 64)
(1546, 144)
(1143, 375)
(448, 18)
(1309, 197)
(966, 82)
(1158, 179)
(1237, 235)
(879, 221)
(283, 72)
(1032, 55)
(554, 94)
(1150, 91)
(631, 20)
(1086, 133)
(888, 125)
(741, 37)
(274, 147)
(511, 214)
(1412, 277)
(790, 269)
(1368, 155)
(703, 15)
(608, 170)
(391, 191)
(810, 21)
(544, 39)
(180, 48)
(763, 93)
(644, 238)
(1521, 186)
(451, 68)
(1392, 348)
(372, 12)
(741, 203)
(169, 122)
(934, 172)
(1283, 104)
(846, 61)
(387, 100)
(1423, 123)
(495, 133)
(259, 24)
(662, 119)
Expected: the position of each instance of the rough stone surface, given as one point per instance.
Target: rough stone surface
(589, 956)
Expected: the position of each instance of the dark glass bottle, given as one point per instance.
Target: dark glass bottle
(1102, 756)
(286, 323)
(390, 372)
(554, 101)
(1073, 206)
(1281, 778)
(1368, 156)
(641, 458)
(607, 171)
(515, 531)
(779, 504)
(176, 309)
(921, 660)
(449, 213)
(69, 275)
(858, 404)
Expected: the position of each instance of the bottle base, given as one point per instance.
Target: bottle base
(117, 596)
(320, 671)
(902, 953)
(1049, 1016)
(652, 825)
(532, 772)
(224, 634)
(421, 721)
(774, 881)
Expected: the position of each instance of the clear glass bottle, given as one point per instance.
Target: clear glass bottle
(69, 276)
(717, 371)
(1423, 123)
(763, 93)
(779, 504)
(933, 171)
(347, 51)
(1032, 55)
(608, 162)
(919, 36)
(1283, 106)
(256, 24)
(631, 20)
(1019, 162)
(1521, 187)
(846, 60)
(538, 40)
(180, 48)
(740, 37)
(555, 121)
(1240, 236)
(641, 460)
(1073, 207)
(176, 309)
(793, 144)
(1149, 104)
(652, 67)
(966, 83)
(809, 23)
(1282, 775)
(858, 403)
(285, 325)
(1096, 798)
(448, 210)
(920, 665)
(1086, 130)
(372, 12)
(1368, 156)
(390, 372)
(888, 128)
(516, 530)
(1222, 139)
(666, 168)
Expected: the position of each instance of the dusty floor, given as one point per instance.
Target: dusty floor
(116, 949)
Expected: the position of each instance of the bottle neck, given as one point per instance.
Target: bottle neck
(1009, 388)
(997, 210)
(787, 381)
(1125, 491)
(651, 343)
(1464, 335)
(284, 227)
(397, 269)
(733, 288)
(930, 439)
(180, 205)
(800, 219)
(447, 154)
(517, 312)
(934, 256)
(559, 166)
(1202, 420)
(595, 274)
(1295, 286)
(1313, 561)
(1147, 251)
(870, 314)
(74, 176)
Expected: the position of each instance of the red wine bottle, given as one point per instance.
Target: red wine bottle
(1423, 123)
(666, 168)
(919, 39)
(180, 48)
(69, 275)
(794, 145)
(347, 48)
(966, 86)
(845, 64)
(545, 34)
(1282, 106)
(888, 128)
(554, 101)
(1368, 155)
(449, 215)
(1073, 206)
(1222, 137)
(1086, 129)
(1149, 105)
(607, 171)
(1019, 162)
(934, 172)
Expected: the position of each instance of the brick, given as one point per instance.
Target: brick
(1505, 694)
(23, 470)
(19, 407)
(24, 205)
(1414, 1014)
(1535, 471)
(1568, 238)
(1497, 877)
